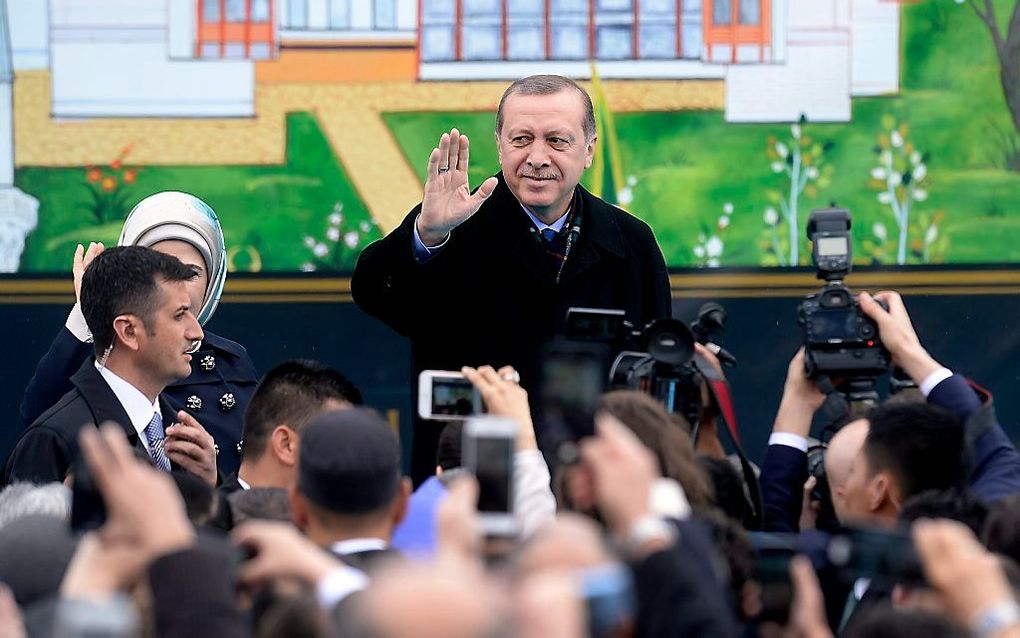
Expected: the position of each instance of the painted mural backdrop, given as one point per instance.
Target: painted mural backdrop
(306, 124)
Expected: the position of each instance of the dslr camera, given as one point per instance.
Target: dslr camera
(840, 341)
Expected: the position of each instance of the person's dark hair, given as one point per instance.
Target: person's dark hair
(672, 447)
(955, 504)
(549, 85)
(920, 444)
(291, 393)
(1002, 529)
(883, 621)
(448, 452)
(260, 503)
(125, 280)
(728, 486)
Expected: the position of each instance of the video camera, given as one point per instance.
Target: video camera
(840, 341)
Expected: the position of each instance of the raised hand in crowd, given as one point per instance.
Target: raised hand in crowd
(801, 399)
(11, 624)
(898, 334)
(970, 578)
(458, 532)
(448, 201)
(503, 396)
(82, 258)
(189, 445)
(280, 552)
(146, 517)
(807, 610)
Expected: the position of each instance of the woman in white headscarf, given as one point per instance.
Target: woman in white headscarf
(223, 376)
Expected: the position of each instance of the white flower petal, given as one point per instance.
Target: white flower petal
(771, 216)
(915, 158)
(795, 131)
(333, 233)
(699, 251)
(811, 172)
(920, 172)
(712, 263)
(320, 250)
(919, 194)
(931, 235)
(335, 219)
(631, 180)
(365, 227)
(884, 198)
(625, 195)
(714, 246)
(777, 167)
(782, 149)
(309, 241)
(351, 239)
(307, 267)
(724, 222)
(894, 179)
(728, 208)
(896, 139)
(879, 230)
(878, 172)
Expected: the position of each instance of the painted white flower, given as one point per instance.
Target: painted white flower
(771, 216)
(625, 195)
(309, 241)
(351, 239)
(896, 139)
(365, 226)
(884, 197)
(878, 172)
(333, 233)
(699, 251)
(712, 263)
(320, 250)
(894, 179)
(879, 229)
(724, 221)
(782, 149)
(777, 167)
(307, 267)
(920, 172)
(915, 158)
(631, 180)
(811, 172)
(335, 219)
(714, 246)
(701, 238)
(728, 208)
(919, 194)
(795, 131)
(885, 157)
(931, 235)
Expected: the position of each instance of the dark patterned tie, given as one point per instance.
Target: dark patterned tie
(154, 434)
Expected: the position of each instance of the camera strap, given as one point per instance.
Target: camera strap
(721, 403)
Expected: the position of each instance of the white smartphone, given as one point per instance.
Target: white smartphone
(447, 396)
(488, 452)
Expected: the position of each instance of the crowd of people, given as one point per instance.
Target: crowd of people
(161, 489)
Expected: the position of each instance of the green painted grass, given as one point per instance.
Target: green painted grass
(270, 209)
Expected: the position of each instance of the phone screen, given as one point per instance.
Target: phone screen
(453, 396)
(494, 459)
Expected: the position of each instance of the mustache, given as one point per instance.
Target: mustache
(538, 174)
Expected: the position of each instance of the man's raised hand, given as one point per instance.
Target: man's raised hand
(448, 202)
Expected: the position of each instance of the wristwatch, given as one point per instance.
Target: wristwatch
(994, 618)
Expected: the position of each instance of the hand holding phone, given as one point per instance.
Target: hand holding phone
(447, 396)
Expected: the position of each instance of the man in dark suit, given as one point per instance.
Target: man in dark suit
(486, 278)
(350, 493)
(137, 306)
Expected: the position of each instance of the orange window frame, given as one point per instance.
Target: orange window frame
(734, 33)
(245, 32)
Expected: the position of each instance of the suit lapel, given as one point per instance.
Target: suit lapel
(102, 402)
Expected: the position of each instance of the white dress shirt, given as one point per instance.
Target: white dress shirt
(139, 409)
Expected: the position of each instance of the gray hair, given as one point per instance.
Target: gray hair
(549, 85)
(25, 499)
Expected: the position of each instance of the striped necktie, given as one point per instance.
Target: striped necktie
(154, 434)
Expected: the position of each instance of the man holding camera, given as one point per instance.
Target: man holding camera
(487, 277)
